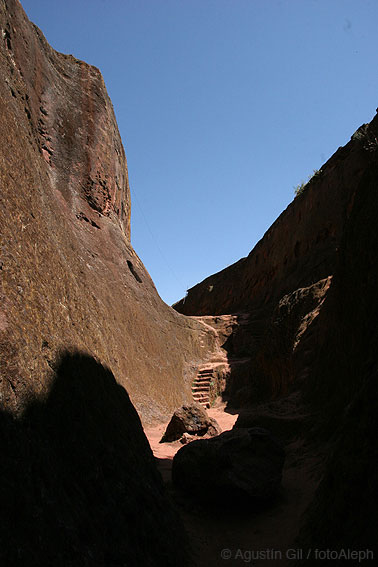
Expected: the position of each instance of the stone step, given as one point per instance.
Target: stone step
(201, 396)
(204, 374)
(200, 389)
(201, 382)
(201, 393)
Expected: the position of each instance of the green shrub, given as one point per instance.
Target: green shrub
(298, 189)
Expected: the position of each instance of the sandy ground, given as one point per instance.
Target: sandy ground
(222, 536)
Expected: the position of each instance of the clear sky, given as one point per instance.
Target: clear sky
(223, 106)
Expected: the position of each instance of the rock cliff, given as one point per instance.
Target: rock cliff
(81, 327)
(305, 306)
(277, 293)
(342, 385)
(69, 275)
(300, 247)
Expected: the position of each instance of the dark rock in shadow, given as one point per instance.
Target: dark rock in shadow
(241, 465)
(284, 417)
(79, 485)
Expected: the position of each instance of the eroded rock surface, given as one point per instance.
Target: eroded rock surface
(70, 277)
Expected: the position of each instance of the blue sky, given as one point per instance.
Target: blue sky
(223, 106)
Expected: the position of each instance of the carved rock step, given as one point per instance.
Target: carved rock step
(202, 395)
(200, 398)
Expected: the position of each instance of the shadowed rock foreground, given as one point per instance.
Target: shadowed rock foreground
(79, 484)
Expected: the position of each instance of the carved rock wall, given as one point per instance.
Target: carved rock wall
(70, 278)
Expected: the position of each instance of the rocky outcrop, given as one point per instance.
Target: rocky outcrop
(300, 247)
(236, 466)
(309, 291)
(277, 293)
(70, 277)
(192, 420)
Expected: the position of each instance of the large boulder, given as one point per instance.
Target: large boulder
(236, 465)
(190, 419)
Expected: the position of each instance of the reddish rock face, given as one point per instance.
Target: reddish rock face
(70, 121)
(299, 249)
(305, 307)
(70, 277)
(277, 293)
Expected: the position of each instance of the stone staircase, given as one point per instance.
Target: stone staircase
(201, 386)
(212, 375)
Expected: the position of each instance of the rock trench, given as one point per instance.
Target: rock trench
(285, 337)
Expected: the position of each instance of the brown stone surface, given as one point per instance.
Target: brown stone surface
(69, 275)
(191, 419)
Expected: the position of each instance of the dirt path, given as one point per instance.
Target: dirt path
(227, 537)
